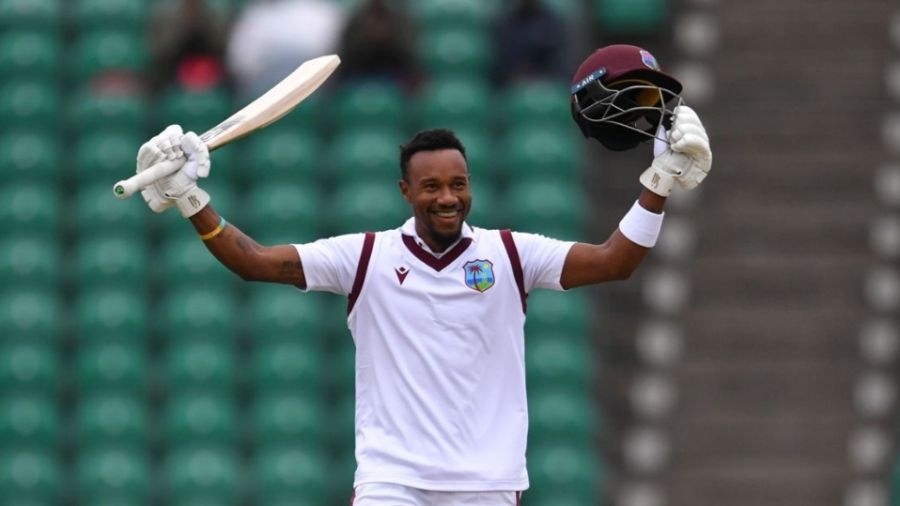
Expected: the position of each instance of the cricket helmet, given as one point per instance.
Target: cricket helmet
(620, 97)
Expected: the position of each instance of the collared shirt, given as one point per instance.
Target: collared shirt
(409, 228)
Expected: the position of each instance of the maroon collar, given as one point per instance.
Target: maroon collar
(432, 261)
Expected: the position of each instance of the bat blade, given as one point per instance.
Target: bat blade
(265, 110)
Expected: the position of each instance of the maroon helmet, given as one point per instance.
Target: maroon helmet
(620, 96)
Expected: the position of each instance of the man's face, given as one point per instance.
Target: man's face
(437, 187)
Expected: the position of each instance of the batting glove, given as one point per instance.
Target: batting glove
(163, 147)
(687, 160)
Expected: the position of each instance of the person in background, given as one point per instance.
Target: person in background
(530, 41)
(378, 43)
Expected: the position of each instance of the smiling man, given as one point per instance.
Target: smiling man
(441, 411)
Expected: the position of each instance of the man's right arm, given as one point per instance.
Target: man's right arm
(247, 258)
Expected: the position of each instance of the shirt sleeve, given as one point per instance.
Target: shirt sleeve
(542, 259)
(329, 265)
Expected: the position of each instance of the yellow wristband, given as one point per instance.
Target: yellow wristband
(216, 231)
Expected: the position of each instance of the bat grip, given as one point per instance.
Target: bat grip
(126, 188)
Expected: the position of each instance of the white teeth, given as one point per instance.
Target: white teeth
(446, 214)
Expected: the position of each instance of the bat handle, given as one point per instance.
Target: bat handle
(126, 188)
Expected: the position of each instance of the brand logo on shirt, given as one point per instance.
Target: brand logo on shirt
(401, 272)
(479, 274)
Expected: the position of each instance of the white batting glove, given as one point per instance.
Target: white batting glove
(182, 186)
(163, 147)
(687, 160)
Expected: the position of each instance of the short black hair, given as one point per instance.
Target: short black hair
(429, 140)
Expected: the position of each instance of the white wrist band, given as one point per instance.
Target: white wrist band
(641, 226)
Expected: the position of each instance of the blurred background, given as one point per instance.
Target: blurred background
(751, 361)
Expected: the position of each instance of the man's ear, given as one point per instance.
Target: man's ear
(404, 189)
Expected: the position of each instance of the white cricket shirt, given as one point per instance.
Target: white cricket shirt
(440, 352)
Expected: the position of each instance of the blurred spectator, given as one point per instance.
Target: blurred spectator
(187, 43)
(378, 42)
(272, 37)
(530, 41)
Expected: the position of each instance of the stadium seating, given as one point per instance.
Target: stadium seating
(632, 17)
(283, 155)
(208, 366)
(110, 261)
(568, 469)
(538, 151)
(287, 367)
(97, 213)
(548, 206)
(115, 49)
(30, 156)
(463, 51)
(30, 208)
(107, 473)
(542, 103)
(29, 104)
(117, 112)
(104, 314)
(359, 207)
(285, 419)
(28, 421)
(280, 212)
(561, 415)
(200, 418)
(112, 368)
(111, 419)
(558, 358)
(201, 474)
(282, 313)
(370, 105)
(194, 110)
(366, 155)
(455, 102)
(29, 368)
(30, 477)
(30, 55)
(30, 261)
(439, 14)
(554, 312)
(198, 312)
(295, 472)
(185, 261)
(41, 15)
(89, 15)
(106, 156)
(30, 314)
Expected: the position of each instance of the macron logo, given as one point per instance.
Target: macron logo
(401, 272)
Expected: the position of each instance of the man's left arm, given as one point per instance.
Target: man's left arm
(686, 161)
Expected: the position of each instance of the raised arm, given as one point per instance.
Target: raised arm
(241, 254)
(686, 162)
(244, 256)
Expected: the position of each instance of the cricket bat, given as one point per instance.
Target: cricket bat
(268, 108)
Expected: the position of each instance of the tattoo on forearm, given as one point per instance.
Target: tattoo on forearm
(292, 270)
(244, 243)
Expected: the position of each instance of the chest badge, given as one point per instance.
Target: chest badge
(401, 272)
(479, 274)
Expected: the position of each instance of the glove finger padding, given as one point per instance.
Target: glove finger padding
(198, 155)
(148, 155)
(169, 142)
(155, 201)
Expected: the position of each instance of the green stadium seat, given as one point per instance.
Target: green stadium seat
(565, 314)
(366, 155)
(185, 261)
(31, 368)
(98, 213)
(282, 212)
(280, 313)
(29, 261)
(632, 17)
(358, 207)
(106, 156)
(28, 421)
(462, 51)
(371, 105)
(108, 50)
(538, 103)
(555, 358)
(562, 415)
(289, 471)
(113, 472)
(478, 143)
(442, 14)
(486, 211)
(30, 55)
(199, 418)
(570, 467)
(284, 155)
(456, 103)
(340, 481)
(30, 475)
(308, 116)
(283, 419)
(112, 368)
(41, 15)
(547, 206)
(288, 367)
(110, 261)
(29, 104)
(342, 428)
(199, 365)
(201, 312)
(116, 112)
(195, 111)
(110, 314)
(30, 315)
(30, 156)
(201, 475)
(572, 10)
(30, 208)
(90, 15)
(542, 152)
(111, 419)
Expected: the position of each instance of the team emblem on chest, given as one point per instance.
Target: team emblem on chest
(479, 274)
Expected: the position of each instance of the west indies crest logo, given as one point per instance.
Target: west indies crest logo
(479, 274)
